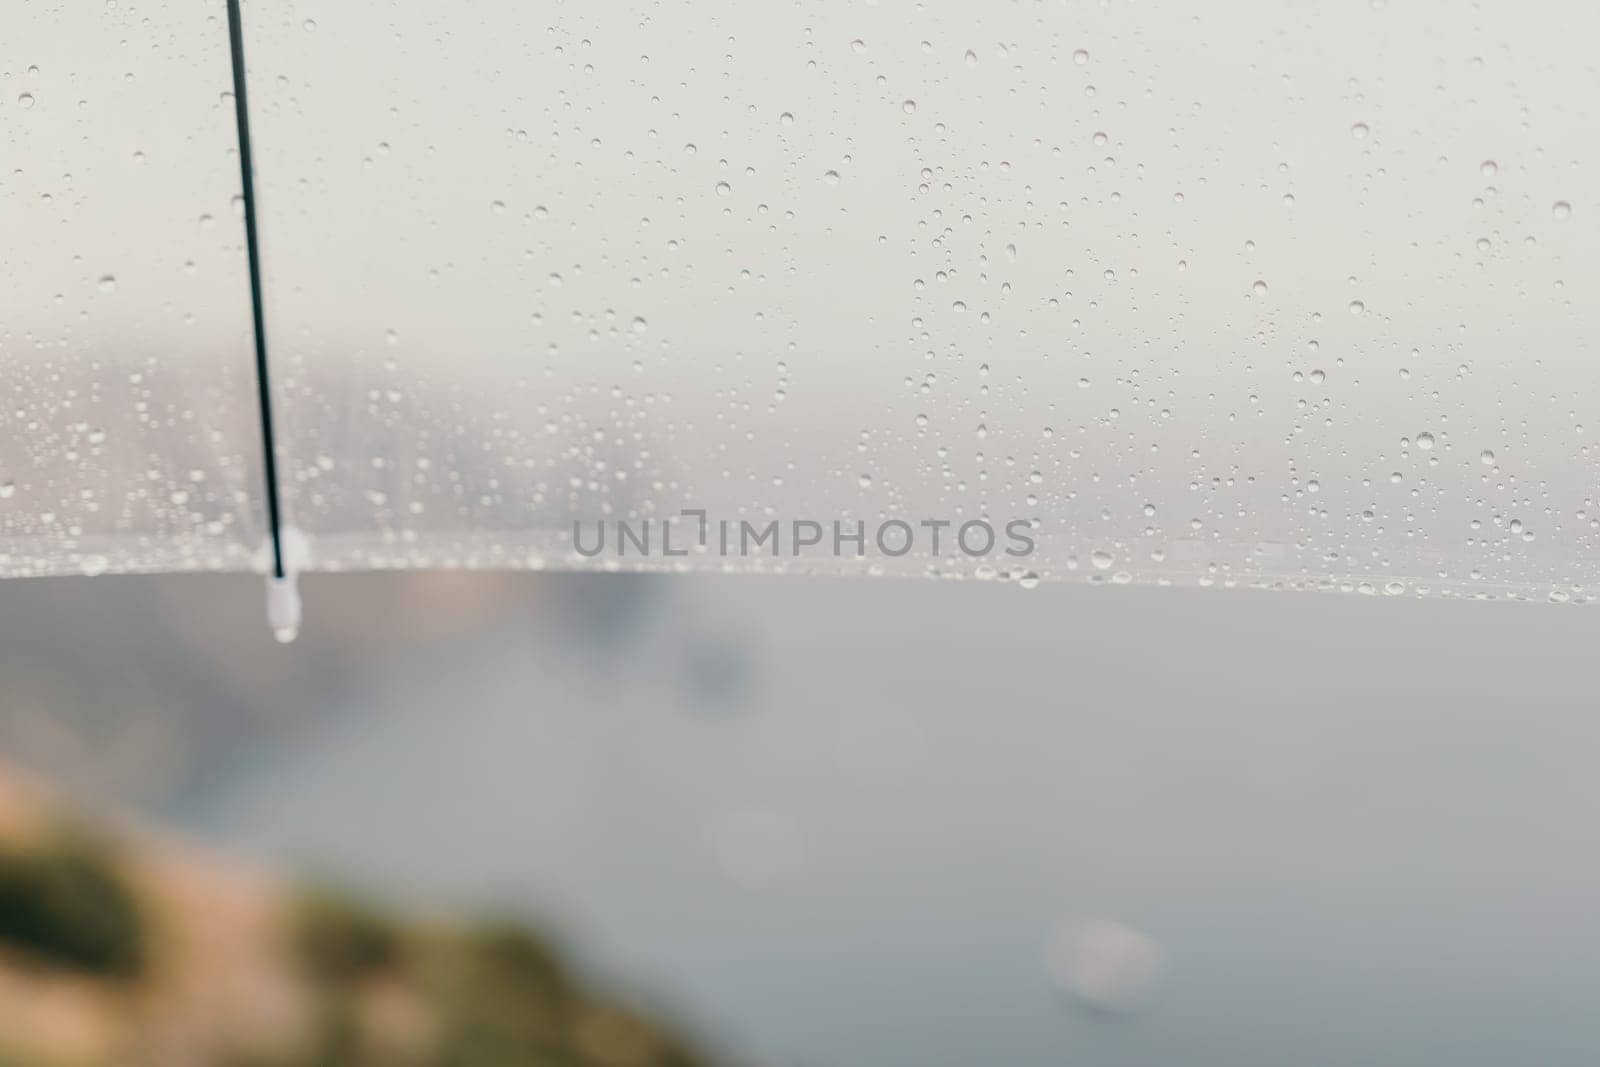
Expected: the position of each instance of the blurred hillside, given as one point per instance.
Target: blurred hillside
(123, 946)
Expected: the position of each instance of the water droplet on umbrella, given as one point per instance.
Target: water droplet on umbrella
(724, 189)
(1561, 209)
(1488, 168)
(909, 107)
(1357, 307)
(1080, 57)
(1425, 441)
(1107, 966)
(1359, 131)
(108, 283)
(1101, 559)
(1486, 457)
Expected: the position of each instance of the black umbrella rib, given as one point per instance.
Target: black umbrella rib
(253, 251)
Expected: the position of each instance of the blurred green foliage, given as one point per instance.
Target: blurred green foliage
(490, 995)
(64, 903)
(338, 940)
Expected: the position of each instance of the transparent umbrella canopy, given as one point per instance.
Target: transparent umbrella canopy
(130, 438)
(1254, 294)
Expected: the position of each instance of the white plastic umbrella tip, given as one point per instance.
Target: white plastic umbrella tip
(283, 607)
